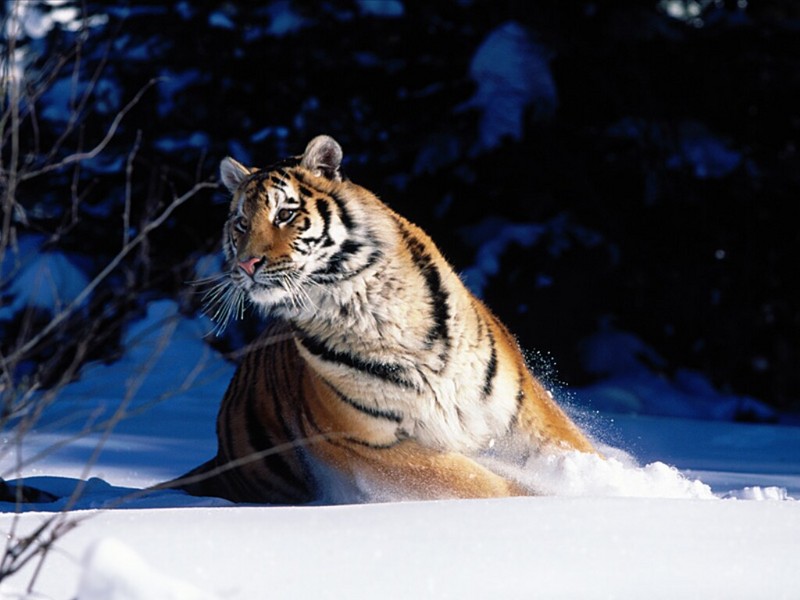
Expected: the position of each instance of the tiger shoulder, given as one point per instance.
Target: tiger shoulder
(380, 375)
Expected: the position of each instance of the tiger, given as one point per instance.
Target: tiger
(379, 375)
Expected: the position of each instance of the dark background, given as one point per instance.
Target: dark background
(666, 169)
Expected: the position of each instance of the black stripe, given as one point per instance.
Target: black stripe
(370, 445)
(236, 397)
(491, 368)
(259, 440)
(389, 415)
(438, 296)
(277, 390)
(324, 212)
(278, 179)
(344, 215)
(285, 163)
(337, 440)
(324, 276)
(276, 479)
(335, 263)
(390, 372)
(521, 393)
(276, 465)
(232, 400)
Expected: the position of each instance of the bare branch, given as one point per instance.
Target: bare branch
(109, 268)
(94, 152)
(126, 215)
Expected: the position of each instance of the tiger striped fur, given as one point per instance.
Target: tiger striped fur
(381, 375)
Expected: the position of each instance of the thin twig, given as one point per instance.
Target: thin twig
(126, 215)
(109, 268)
(112, 130)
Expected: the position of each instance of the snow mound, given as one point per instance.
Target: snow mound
(614, 475)
(113, 571)
(760, 493)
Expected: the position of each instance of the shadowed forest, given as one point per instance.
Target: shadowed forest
(588, 166)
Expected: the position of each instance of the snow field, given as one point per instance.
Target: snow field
(512, 548)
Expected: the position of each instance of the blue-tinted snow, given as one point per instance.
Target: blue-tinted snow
(512, 73)
(707, 155)
(134, 50)
(219, 19)
(104, 163)
(17, 255)
(44, 280)
(194, 141)
(493, 236)
(685, 144)
(440, 150)
(168, 385)
(127, 10)
(27, 19)
(172, 84)
(634, 379)
(283, 19)
(279, 132)
(59, 97)
(381, 8)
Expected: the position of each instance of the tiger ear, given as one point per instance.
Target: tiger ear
(232, 173)
(323, 156)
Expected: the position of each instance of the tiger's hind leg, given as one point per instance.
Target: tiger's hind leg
(200, 481)
(544, 423)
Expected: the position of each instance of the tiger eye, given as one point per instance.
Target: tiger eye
(284, 215)
(240, 223)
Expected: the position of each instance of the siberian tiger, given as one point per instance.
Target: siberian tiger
(381, 375)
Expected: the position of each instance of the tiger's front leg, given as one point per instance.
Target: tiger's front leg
(410, 471)
(370, 454)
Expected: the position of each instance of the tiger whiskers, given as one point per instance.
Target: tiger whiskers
(294, 285)
(223, 301)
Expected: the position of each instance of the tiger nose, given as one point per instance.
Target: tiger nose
(250, 265)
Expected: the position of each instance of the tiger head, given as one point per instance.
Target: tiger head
(291, 228)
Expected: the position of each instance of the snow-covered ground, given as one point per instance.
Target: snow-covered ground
(685, 521)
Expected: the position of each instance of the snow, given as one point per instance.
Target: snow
(516, 548)
(284, 20)
(512, 72)
(687, 144)
(493, 236)
(113, 571)
(633, 380)
(704, 510)
(381, 8)
(46, 280)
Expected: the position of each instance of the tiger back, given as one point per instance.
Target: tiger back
(381, 375)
